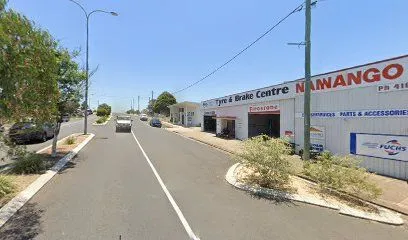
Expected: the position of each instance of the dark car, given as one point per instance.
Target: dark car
(26, 131)
(314, 153)
(155, 123)
(65, 118)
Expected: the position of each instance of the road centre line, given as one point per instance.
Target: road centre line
(166, 191)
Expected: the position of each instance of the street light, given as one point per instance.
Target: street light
(88, 15)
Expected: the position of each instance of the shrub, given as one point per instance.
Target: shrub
(101, 112)
(102, 120)
(6, 186)
(70, 140)
(29, 164)
(266, 157)
(341, 173)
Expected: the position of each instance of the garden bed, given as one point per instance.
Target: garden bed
(20, 182)
(306, 191)
(103, 120)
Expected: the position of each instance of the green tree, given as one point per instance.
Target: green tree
(29, 73)
(2, 5)
(103, 110)
(70, 79)
(162, 102)
(28, 69)
(132, 111)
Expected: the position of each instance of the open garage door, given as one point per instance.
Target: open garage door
(268, 124)
(210, 124)
(264, 119)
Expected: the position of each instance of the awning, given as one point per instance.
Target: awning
(225, 117)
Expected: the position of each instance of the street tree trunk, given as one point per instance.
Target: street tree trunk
(55, 139)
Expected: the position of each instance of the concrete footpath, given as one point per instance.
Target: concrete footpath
(395, 192)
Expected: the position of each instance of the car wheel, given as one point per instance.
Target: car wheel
(301, 154)
(44, 137)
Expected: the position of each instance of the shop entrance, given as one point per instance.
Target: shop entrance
(227, 128)
(210, 124)
(268, 124)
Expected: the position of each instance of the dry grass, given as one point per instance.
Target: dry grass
(306, 188)
(20, 182)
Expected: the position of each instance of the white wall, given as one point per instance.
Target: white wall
(338, 129)
(197, 117)
(287, 116)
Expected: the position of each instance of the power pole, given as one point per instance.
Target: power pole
(138, 103)
(306, 139)
(152, 96)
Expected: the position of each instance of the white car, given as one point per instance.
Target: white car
(143, 117)
(123, 123)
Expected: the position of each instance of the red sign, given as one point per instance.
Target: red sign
(264, 108)
(289, 133)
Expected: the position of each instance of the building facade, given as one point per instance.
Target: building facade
(361, 110)
(185, 114)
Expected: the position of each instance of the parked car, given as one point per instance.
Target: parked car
(313, 153)
(66, 118)
(123, 123)
(90, 112)
(143, 117)
(155, 122)
(26, 131)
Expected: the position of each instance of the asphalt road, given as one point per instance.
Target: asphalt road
(111, 190)
(67, 128)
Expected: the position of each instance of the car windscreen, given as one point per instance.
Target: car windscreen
(155, 121)
(21, 125)
(123, 118)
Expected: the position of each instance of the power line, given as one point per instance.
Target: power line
(297, 9)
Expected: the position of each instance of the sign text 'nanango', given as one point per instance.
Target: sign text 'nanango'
(344, 80)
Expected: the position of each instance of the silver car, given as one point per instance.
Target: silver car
(123, 123)
(143, 117)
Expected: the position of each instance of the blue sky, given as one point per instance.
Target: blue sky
(164, 45)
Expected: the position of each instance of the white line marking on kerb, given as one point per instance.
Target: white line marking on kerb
(171, 199)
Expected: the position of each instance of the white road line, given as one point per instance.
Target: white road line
(171, 199)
